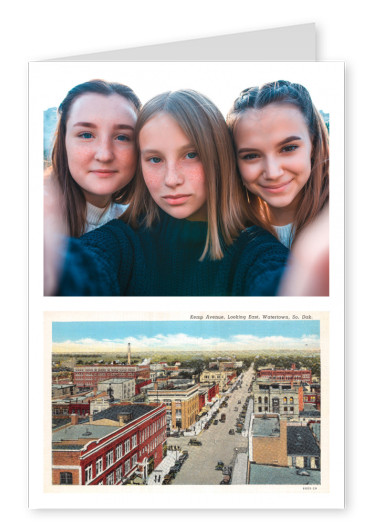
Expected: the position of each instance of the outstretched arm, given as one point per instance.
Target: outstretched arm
(308, 272)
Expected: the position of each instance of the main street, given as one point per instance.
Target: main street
(217, 443)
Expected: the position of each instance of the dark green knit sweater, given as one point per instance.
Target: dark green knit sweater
(164, 260)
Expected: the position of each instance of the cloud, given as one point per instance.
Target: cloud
(186, 342)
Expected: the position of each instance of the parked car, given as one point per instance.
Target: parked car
(195, 442)
(239, 401)
(225, 481)
(302, 472)
(186, 453)
(220, 465)
(231, 432)
(216, 422)
(167, 479)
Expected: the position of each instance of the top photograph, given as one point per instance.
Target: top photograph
(186, 179)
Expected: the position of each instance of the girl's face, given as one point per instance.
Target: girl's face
(100, 145)
(172, 169)
(273, 149)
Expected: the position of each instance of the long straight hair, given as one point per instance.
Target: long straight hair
(315, 193)
(74, 202)
(202, 122)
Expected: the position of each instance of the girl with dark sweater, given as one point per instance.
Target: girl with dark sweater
(187, 230)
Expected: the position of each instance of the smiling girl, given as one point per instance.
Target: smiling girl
(94, 156)
(282, 151)
(184, 230)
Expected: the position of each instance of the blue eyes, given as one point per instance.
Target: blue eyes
(86, 136)
(191, 156)
(89, 136)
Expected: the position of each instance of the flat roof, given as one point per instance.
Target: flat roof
(265, 427)
(79, 432)
(277, 475)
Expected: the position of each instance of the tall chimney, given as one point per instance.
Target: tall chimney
(129, 353)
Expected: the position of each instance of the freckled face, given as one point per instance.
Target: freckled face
(172, 169)
(273, 149)
(100, 145)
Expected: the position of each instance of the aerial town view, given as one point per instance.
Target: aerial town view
(186, 403)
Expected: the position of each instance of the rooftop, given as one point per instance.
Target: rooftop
(112, 413)
(265, 427)
(116, 380)
(276, 475)
(81, 432)
(300, 441)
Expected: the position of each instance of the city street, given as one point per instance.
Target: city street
(217, 443)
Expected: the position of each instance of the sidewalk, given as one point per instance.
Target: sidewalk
(156, 477)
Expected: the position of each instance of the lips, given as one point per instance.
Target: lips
(177, 199)
(103, 174)
(276, 188)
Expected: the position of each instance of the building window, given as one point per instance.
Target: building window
(127, 446)
(109, 458)
(260, 409)
(291, 400)
(285, 409)
(259, 399)
(119, 452)
(291, 409)
(126, 466)
(285, 400)
(88, 474)
(66, 478)
(118, 474)
(134, 440)
(99, 466)
(110, 479)
(134, 460)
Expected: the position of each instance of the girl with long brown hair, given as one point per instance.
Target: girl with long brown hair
(94, 156)
(185, 230)
(282, 150)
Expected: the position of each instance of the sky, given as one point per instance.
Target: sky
(190, 335)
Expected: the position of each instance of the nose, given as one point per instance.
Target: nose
(173, 175)
(273, 168)
(104, 152)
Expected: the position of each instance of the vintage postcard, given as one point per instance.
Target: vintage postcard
(232, 407)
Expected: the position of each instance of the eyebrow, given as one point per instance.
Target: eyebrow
(155, 150)
(289, 139)
(285, 141)
(93, 126)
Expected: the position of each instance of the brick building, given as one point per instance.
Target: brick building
(268, 440)
(312, 396)
(274, 442)
(182, 404)
(283, 375)
(88, 376)
(114, 445)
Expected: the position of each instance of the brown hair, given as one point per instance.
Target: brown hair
(315, 193)
(206, 128)
(73, 196)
